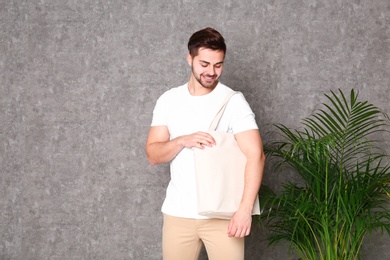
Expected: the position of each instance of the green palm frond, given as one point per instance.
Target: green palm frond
(345, 180)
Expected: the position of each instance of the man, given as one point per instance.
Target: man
(180, 122)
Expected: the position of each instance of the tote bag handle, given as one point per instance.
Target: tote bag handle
(218, 116)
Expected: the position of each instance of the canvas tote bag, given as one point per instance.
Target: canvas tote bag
(220, 173)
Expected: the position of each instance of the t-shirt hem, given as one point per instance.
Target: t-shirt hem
(178, 215)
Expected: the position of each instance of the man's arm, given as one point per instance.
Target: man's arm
(251, 145)
(160, 149)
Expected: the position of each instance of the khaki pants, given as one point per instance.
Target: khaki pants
(183, 239)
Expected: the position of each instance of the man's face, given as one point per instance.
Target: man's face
(207, 66)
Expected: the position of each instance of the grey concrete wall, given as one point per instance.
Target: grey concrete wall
(79, 80)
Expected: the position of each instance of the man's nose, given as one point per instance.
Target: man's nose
(211, 70)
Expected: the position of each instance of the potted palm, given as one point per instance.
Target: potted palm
(344, 191)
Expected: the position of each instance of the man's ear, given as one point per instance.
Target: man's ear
(189, 59)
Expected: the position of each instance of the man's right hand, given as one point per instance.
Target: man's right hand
(160, 149)
(197, 140)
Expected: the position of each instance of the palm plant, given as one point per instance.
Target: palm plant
(345, 187)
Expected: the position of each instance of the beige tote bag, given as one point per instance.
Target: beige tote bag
(220, 173)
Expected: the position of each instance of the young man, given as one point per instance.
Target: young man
(180, 122)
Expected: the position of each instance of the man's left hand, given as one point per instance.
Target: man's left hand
(240, 224)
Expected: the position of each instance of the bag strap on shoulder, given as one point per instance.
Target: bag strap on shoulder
(218, 116)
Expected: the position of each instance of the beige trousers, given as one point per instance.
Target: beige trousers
(183, 239)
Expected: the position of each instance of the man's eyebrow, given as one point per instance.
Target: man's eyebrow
(209, 62)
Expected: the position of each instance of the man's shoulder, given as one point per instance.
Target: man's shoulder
(225, 90)
(222, 88)
(172, 94)
(175, 91)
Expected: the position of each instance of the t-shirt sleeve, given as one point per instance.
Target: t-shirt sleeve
(243, 118)
(159, 112)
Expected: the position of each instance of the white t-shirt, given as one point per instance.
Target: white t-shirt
(185, 114)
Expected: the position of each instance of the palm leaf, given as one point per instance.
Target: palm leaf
(345, 180)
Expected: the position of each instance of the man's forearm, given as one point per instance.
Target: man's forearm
(251, 145)
(240, 224)
(163, 152)
(160, 149)
(253, 178)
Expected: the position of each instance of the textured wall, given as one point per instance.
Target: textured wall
(79, 80)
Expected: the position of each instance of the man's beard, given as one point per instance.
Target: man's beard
(204, 84)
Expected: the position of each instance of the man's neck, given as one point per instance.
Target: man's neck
(197, 89)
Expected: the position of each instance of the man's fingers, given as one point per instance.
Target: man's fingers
(202, 139)
(206, 138)
(237, 231)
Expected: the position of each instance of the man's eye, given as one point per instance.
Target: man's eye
(204, 65)
(218, 66)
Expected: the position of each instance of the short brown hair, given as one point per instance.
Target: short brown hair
(207, 38)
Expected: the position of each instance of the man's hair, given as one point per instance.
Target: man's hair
(207, 38)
